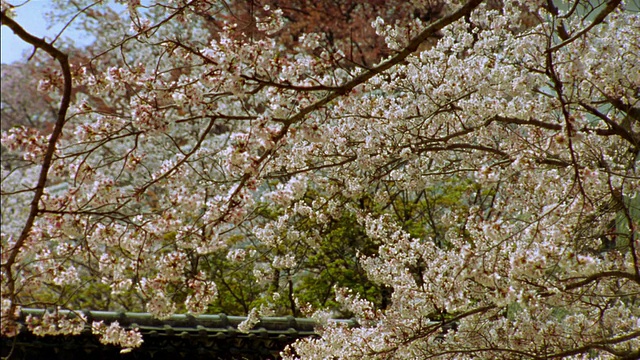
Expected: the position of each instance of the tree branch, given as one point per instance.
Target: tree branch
(611, 5)
(397, 59)
(63, 60)
(361, 79)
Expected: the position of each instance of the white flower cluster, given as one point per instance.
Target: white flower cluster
(115, 334)
(273, 23)
(252, 319)
(54, 323)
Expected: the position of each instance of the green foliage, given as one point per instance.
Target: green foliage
(335, 264)
(333, 260)
(237, 289)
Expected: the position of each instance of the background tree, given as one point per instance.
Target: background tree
(484, 166)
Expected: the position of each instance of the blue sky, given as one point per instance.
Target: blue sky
(31, 17)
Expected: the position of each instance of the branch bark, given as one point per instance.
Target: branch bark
(611, 6)
(63, 60)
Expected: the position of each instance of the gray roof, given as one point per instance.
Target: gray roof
(179, 336)
(200, 325)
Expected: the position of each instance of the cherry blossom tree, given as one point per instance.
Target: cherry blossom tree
(183, 139)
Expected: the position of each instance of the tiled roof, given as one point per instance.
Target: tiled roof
(179, 336)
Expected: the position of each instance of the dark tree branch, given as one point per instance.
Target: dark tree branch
(611, 5)
(47, 159)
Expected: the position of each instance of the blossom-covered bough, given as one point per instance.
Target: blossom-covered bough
(178, 138)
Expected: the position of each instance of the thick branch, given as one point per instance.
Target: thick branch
(397, 59)
(611, 5)
(596, 345)
(63, 59)
(607, 274)
(615, 127)
(631, 111)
